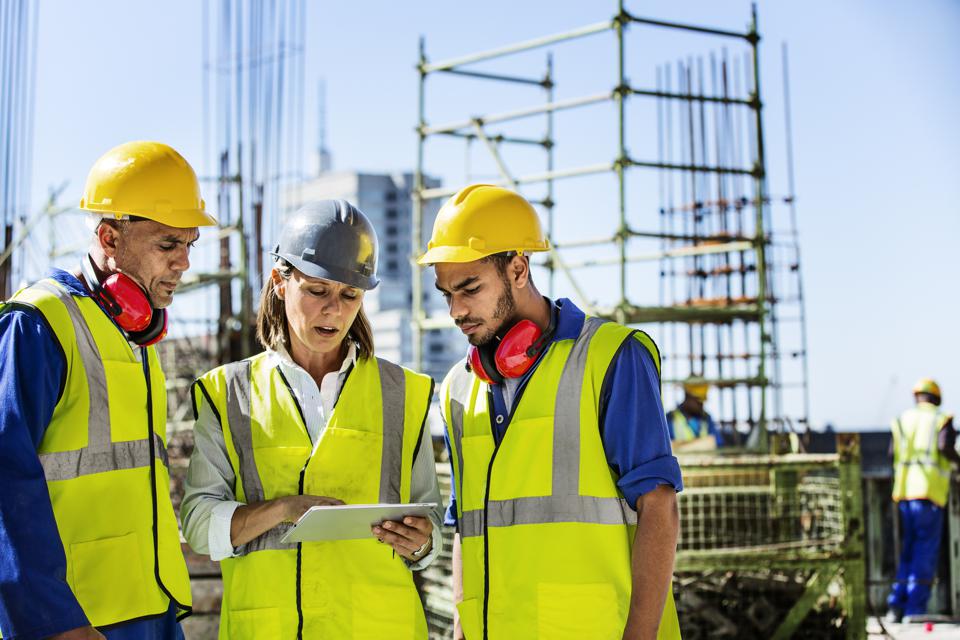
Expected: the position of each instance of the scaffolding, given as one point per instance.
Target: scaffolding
(725, 274)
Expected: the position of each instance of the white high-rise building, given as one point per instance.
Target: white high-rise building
(385, 199)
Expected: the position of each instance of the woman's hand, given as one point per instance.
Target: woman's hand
(252, 520)
(407, 538)
(296, 506)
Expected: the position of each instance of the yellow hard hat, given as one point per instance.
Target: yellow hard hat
(698, 390)
(927, 385)
(149, 180)
(481, 220)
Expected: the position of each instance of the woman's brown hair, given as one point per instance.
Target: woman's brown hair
(273, 329)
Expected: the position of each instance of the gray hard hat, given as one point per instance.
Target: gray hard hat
(331, 239)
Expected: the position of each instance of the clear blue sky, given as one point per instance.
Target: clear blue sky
(875, 103)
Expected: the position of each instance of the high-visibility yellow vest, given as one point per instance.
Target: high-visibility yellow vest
(919, 471)
(682, 430)
(340, 589)
(546, 535)
(105, 460)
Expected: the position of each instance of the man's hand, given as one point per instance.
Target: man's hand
(80, 633)
(408, 537)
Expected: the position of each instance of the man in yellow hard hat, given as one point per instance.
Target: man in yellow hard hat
(89, 545)
(690, 425)
(564, 490)
(923, 455)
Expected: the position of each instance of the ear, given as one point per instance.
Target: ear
(279, 284)
(519, 271)
(108, 236)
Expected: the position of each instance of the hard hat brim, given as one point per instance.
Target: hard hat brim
(183, 219)
(464, 254)
(313, 270)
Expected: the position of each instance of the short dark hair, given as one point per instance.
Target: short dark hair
(500, 260)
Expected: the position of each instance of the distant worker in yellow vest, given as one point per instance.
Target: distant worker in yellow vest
(316, 419)
(88, 536)
(923, 454)
(690, 425)
(564, 484)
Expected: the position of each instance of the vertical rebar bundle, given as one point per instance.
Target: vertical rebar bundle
(253, 135)
(18, 71)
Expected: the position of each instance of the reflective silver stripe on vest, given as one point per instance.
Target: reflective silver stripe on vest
(393, 398)
(66, 465)
(100, 455)
(565, 505)
(460, 383)
(566, 421)
(548, 509)
(237, 377)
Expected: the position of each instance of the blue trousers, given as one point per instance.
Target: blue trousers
(921, 523)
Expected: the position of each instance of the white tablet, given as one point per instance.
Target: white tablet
(349, 521)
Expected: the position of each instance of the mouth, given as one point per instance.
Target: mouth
(169, 284)
(327, 331)
(469, 327)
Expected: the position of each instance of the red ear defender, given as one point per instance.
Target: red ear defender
(514, 355)
(517, 350)
(132, 308)
(475, 364)
(127, 303)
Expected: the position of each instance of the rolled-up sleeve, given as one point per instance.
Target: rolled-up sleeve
(636, 439)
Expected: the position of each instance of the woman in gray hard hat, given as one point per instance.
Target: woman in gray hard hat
(315, 419)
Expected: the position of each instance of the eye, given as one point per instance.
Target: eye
(351, 295)
(470, 292)
(317, 292)
(168, 247)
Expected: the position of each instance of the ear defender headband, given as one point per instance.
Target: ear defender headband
(127, 303)
(513, 355)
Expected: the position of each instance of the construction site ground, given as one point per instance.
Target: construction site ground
(938, 629)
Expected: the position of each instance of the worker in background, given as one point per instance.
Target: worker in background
(88, 536)
(923, 454)
(564, 492)
(315, 419)
(691, 427)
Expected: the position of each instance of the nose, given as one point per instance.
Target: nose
(333, 305)
(458, 309)
(181, 260)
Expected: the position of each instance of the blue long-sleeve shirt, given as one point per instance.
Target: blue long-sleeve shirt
(35, 599)
(633, 428)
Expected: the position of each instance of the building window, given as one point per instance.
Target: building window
(392, 265)
(391, 196)
(436, 347)
(391, 230)
(392, 247)
(391, 213)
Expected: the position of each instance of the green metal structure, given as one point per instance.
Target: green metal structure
(719, 267)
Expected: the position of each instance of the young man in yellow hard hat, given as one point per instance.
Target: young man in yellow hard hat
(690, 424)
(88, 536)
(564, 491)
(924, 454)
